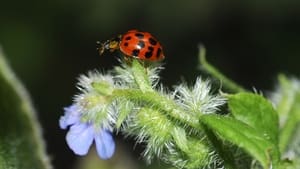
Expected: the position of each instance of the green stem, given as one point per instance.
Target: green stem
(288, 130)
(288, 107)
(159, 102)
(228, 83)
(140, 75)
(222, 150)
(287, 93)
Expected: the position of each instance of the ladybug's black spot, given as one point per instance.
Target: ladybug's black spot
(128, 38)
(149, 54)
(152, 41)
(158, 52)
(135, 52)
(150, 48)
(125, 44)
(141, 44)
(139, 35)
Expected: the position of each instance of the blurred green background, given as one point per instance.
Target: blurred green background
(49, 43)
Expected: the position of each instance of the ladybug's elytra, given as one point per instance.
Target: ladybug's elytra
(134, 43)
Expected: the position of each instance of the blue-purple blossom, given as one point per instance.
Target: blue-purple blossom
(82, 134)
(72, 115)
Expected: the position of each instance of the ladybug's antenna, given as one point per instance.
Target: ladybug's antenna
(99, 47)
(98, 44)
(110, 45)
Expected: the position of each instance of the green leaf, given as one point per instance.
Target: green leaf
(243, 136)
(257, 112)
(21, 144)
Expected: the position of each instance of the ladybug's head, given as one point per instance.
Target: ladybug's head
(111, 45)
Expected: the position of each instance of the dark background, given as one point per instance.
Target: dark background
(49, 43)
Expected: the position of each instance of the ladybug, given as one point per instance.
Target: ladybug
(136, 44)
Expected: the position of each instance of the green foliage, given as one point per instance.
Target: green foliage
(254, 122)
(257, 112)
(189, 127)
(21, 145)
(241, 135)
(164, 121)
(287, 101)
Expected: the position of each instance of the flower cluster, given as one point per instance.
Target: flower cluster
(127, 100)
(89, 119)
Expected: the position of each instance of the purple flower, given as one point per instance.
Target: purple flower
(72, 115)
(82, 134)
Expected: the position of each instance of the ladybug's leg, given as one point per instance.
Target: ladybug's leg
(127, 60)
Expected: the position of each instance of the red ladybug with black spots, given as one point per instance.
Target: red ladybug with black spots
(134, 43)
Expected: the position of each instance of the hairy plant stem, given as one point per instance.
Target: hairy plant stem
(159, 102)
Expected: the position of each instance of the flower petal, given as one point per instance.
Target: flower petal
(80, 137)
(71, 116)
(105, 144)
